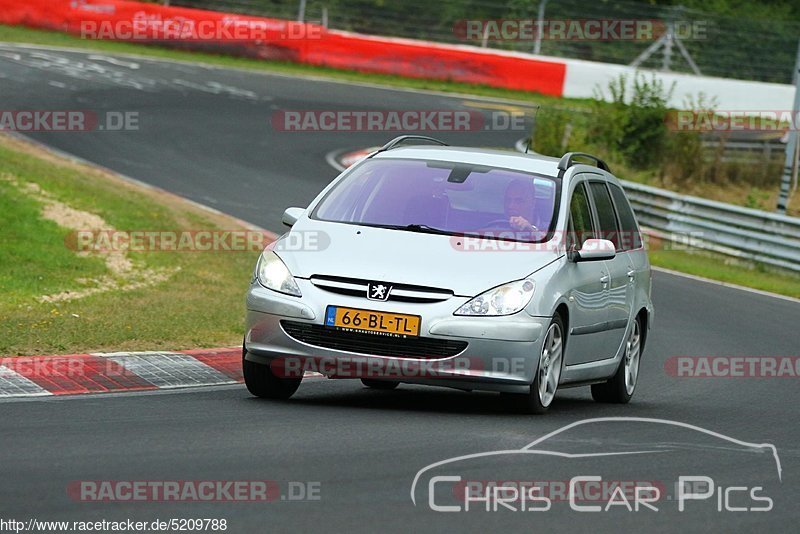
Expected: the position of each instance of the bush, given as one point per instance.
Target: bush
(684, 158)
(632, 129)
(646, 129)
(608, 119)
(556, 131)
(628, 130)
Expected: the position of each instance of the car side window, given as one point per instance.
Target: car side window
(580, 218)
(630, 238)
(605, 213)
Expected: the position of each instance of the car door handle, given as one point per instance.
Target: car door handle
(631, 275)
(604, 279)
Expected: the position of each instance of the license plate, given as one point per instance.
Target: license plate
(372, 322)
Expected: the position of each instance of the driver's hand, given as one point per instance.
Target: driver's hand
(521, 224)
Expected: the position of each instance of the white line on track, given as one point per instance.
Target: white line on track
(726, 284)
(312, 77)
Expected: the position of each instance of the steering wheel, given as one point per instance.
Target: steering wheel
(504, 223)
(498, 223)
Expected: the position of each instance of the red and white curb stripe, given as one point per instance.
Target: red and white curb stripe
(351, 158)
(73, 374)
(341, 160)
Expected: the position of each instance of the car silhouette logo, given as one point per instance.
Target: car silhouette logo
(378, 291)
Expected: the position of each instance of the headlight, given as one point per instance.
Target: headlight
(503, 300)
(273, 274)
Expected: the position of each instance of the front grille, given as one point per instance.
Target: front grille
(357, 287)
(410, 347)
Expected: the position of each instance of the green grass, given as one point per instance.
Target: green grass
(199, 306)
(34, 259)
(724, 269)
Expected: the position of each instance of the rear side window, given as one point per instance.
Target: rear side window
(580, 218)
(605, 213)
(630, 238)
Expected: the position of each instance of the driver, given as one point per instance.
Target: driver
(519, 205)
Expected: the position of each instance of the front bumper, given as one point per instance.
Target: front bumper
(501, 354)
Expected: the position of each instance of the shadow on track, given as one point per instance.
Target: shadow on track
(420, 399)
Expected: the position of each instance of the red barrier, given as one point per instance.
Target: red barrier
(267, 38)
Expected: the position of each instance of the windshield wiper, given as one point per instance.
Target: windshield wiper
(419, 228)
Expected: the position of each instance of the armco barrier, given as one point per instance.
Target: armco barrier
(302, 43)
(696, 222)
(747, 233)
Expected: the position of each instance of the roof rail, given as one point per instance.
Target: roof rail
(403, 138)
(568, 160)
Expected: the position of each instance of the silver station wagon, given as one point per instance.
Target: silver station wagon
(458, 267)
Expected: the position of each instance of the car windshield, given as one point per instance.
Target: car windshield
(444, 197)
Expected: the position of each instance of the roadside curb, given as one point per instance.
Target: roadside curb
(74, 374)
(111, 372)
(344, 159)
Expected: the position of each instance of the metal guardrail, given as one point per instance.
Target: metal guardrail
(754, 152)
(696, 222)
(736, 231)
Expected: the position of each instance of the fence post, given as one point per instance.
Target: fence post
(791, 144)
(537, 44)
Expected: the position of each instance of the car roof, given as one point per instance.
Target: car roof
(509, 159)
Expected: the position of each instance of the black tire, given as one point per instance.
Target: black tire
(531, 402)
(379, 384)
(616, 390)
(262, 382)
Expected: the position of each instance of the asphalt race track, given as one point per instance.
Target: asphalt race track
(205, 133)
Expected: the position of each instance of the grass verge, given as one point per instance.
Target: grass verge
(728, 270)
(196, 301)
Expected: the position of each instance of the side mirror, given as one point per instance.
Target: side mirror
(593, 250)
(291, 215)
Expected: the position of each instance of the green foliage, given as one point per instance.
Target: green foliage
(557, 131)
(632, 128)
(685, 158)
(627, 126)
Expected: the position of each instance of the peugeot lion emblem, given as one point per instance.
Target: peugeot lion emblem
(378, 291)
